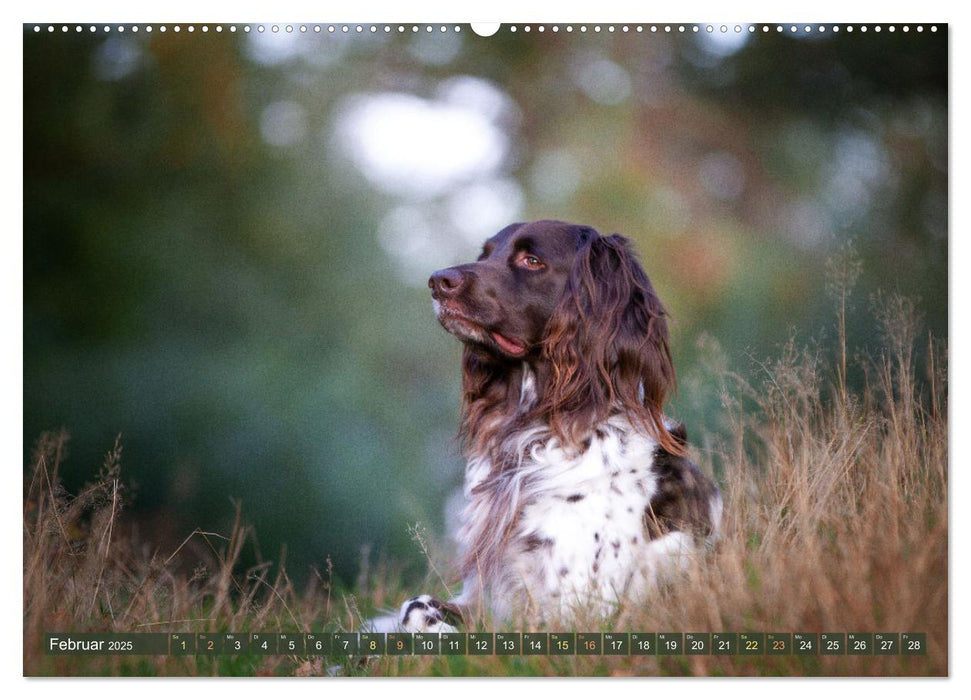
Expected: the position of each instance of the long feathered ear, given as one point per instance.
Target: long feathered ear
(607, 343)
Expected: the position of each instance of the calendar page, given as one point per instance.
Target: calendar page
(394, 349)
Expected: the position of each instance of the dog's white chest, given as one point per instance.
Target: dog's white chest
(579, 541)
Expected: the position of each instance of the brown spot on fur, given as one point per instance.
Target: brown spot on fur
(414, 605)
(533, 542)
(683, 498)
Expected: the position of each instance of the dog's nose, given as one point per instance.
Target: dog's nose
(447, 283)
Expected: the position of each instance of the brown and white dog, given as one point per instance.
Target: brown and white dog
(578, 493)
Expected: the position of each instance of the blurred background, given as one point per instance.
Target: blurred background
(227, 238)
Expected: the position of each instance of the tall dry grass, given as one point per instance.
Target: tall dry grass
(84, 573)
(835, 508)
(835, 521)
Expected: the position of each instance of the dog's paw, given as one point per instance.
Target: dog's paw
(427, 614)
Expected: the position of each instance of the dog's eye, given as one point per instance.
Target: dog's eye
(530, 262)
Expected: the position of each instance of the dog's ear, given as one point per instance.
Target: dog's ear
(607, 343)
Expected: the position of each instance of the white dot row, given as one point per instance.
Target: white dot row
(738, 29)
(275, 28)
(387, 28)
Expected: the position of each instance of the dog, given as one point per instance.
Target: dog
(578, 492)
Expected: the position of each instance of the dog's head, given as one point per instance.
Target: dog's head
(577, 307)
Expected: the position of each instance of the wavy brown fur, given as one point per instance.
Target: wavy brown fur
(607, 339)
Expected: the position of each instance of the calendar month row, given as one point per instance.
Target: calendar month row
(490, 643)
